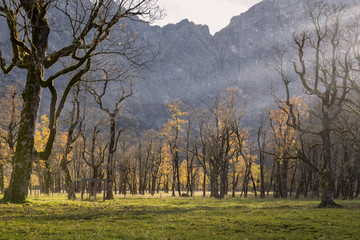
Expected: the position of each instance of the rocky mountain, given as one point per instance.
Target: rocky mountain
(194, 65)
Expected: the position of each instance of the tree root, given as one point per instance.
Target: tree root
(329, 204)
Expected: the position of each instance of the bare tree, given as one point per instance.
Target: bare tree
(144, 155)
(261, 144)
(29, 27)
(9, 125)
(172, 132)
(190, 154)
(323, 68)
(201, 150)
(112, 112)
(94, 151)
(73, 134)
(219, 136)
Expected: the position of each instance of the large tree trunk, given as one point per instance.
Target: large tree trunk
(188, 178)
(234, 183)
(109, 169)
(1, 178)
(254, 184)
(284, 178)
(123, 180)
(70, 189)
(300, 185)
(94, 185)
(58, 183)
(140, 173)
(223, 184)
(357, 188)
(47, 178)
(246, 181)
(153, 185)
(166, 184)
(173, 180)
(271, 178)
(178, 173)
(25, 154)
(224, 178)
(204, 184)
(292, 184)
(214, 184)
(262, 175)
(277, 182)
(326, 170)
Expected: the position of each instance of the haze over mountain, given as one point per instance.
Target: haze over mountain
(195, 65)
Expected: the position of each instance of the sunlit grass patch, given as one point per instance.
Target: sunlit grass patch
(54, 217)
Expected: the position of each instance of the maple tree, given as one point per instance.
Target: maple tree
(172, 132)
(325, 79)
(284, 138)
(29, 28)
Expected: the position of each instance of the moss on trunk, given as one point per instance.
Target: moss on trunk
(25, 154)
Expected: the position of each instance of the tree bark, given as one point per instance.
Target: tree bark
(25, 154)
(326, 169)
(284, 178)
(292, 184)
(357, 188)
(262, 175)
(271, 178)
(47, 178)
(57, 183)
(214, 184)
(204, 183)
(70, 189)
(173, 180)
(109, 169)
(224, 177)
(1, 178)
(177, 172)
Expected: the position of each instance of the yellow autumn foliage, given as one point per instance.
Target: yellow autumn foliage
(42, 133)
(284, 136)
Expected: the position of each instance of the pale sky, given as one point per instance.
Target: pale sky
(214, 13)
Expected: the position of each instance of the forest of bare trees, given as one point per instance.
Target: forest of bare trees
(303, 146)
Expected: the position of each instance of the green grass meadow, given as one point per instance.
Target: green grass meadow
(54, 217)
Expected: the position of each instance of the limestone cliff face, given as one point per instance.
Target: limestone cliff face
(196, 65)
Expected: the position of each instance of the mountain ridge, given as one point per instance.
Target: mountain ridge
(195, 66)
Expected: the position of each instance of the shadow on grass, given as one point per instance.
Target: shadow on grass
(4, 201)
(87, 213)
(66, 211)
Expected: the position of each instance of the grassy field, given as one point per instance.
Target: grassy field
(54, 217)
